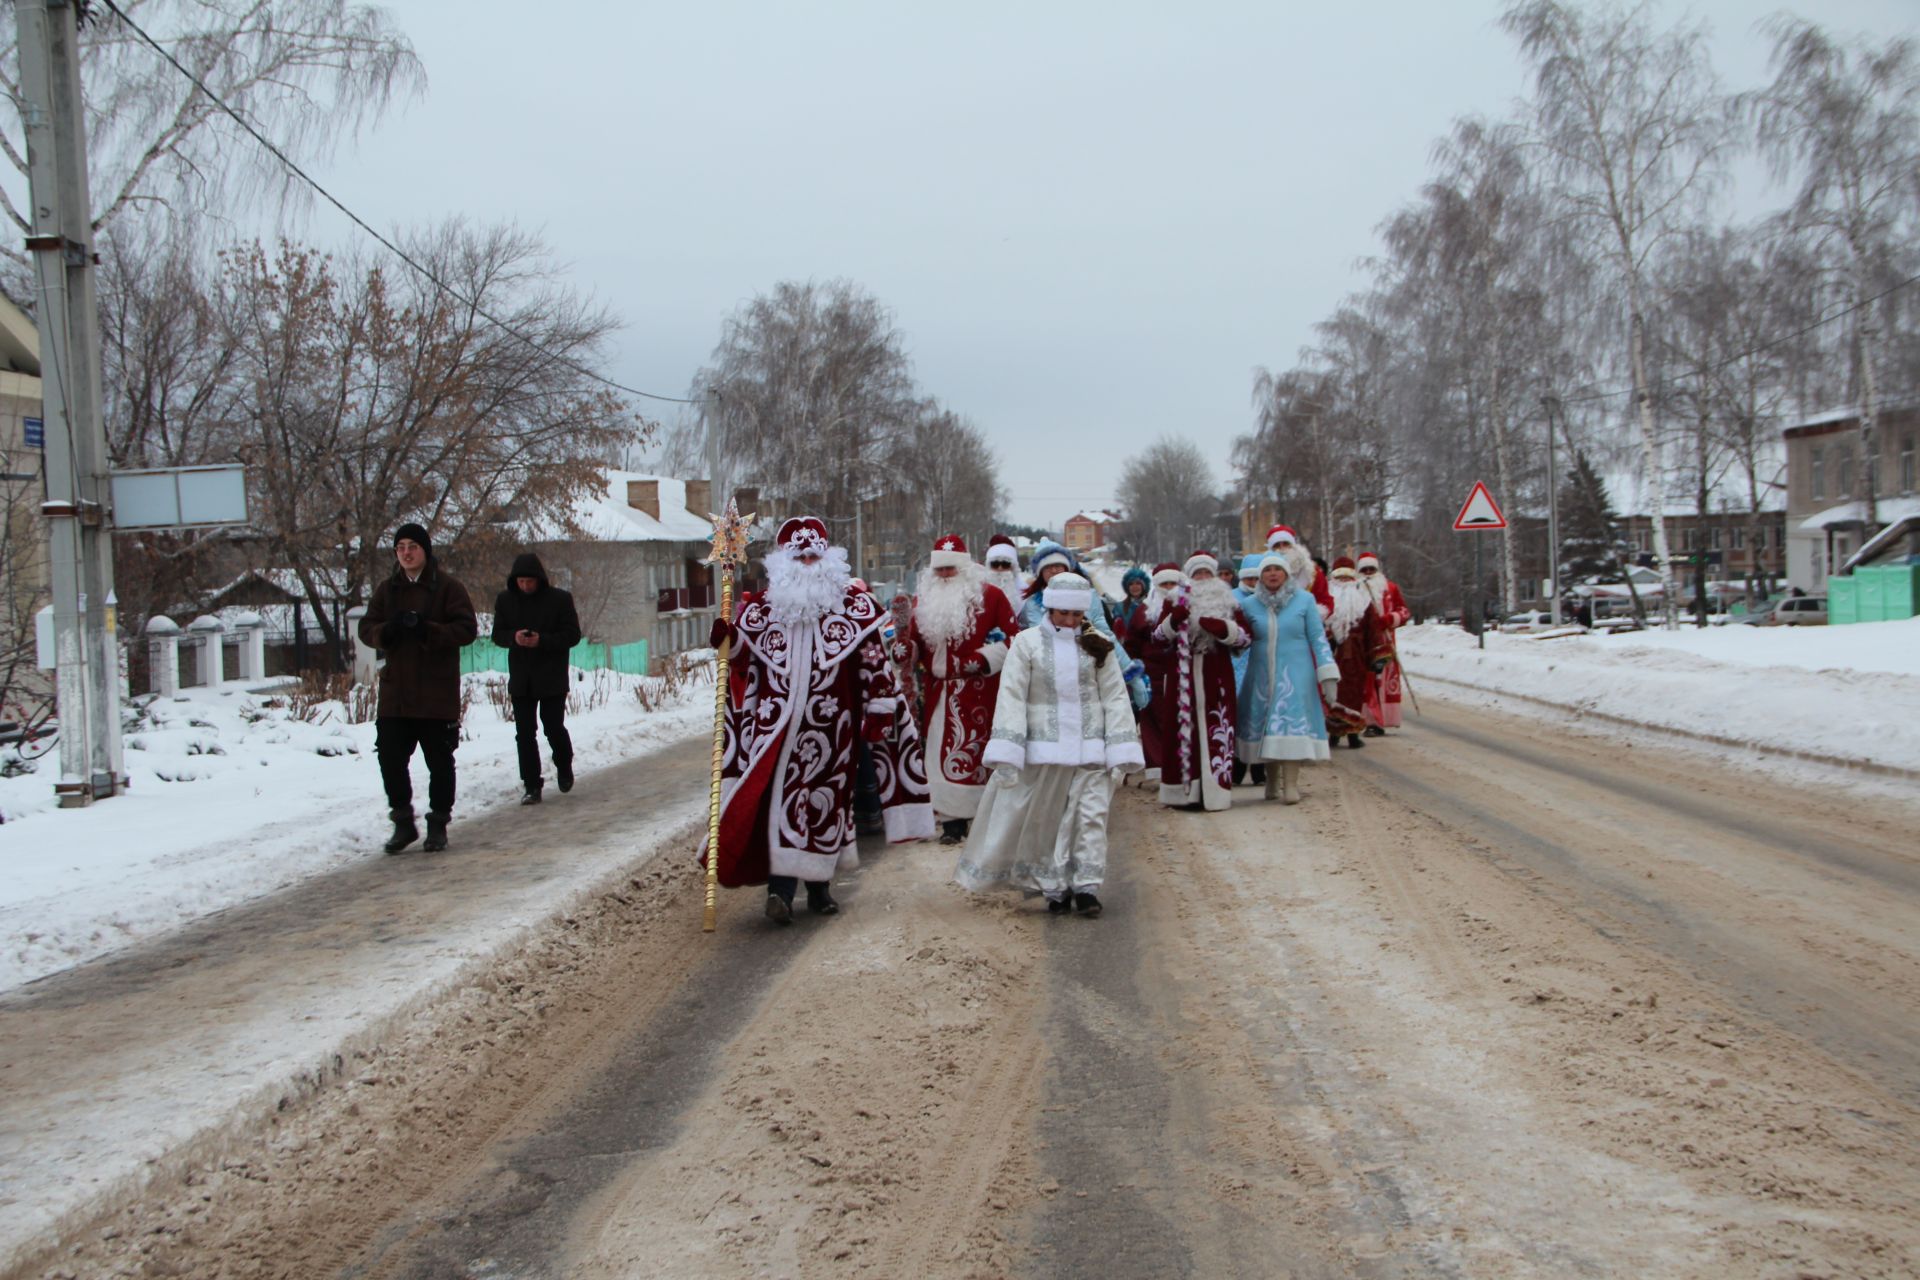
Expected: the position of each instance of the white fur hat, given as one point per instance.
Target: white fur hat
(1002, 551)
(1200, 560)
(1052, 557)
(1273, 559)
(1166, 575)
(1068, 591)
(1368, 559)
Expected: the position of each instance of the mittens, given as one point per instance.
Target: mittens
(1215, 627)
(721, 632)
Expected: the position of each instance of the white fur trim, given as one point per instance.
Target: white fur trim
(1275, 558)
(1331, 671)
(908, 822)
(1127, 756)
(1075, 599)
(1280, 538)
(1003, 554)
(882, 706)
(1166, 576)
(950, 559)
(1003, 754)
(1364, 561)
(995, 654)
(1200, 562)
(1052, 557)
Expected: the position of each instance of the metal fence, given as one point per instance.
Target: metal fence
(627, 659)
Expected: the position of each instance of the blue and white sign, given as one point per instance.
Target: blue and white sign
(36, 433)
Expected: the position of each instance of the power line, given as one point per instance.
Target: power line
(1768, 345)
(389, 245)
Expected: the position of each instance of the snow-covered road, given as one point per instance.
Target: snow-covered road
(1494, 1001)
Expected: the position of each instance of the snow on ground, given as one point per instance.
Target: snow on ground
(233, 797)
(1848, 693)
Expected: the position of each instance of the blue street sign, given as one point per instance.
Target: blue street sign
(36, 433)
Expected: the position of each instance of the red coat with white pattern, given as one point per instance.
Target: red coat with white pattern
(796, 704)
(1383, 702)
(962, 679)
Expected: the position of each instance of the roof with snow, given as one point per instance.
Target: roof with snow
(1855, 512)
(604, 515)
(1827, 418)
(1095, 515)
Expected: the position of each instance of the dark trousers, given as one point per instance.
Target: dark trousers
(553, 718)
(394, 738)
(785, 885)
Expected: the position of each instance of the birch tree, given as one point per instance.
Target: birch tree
(309, 74)
(1844, 119)
(1632, 127)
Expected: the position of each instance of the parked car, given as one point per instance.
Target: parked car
(1528, 620)
(1797, 611)
(1759, 615)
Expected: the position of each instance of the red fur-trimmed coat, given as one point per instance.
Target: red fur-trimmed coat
(1366, 643)
(1202, 772)
(1383, 706)
(796, 706)
(962, 680)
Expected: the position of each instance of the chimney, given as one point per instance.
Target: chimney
(700, 498)
(644, 495)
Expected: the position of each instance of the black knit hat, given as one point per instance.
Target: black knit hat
(415, 532)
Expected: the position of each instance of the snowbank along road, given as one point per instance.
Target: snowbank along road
(1491, 1002)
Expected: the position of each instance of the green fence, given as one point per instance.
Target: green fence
(628, 659)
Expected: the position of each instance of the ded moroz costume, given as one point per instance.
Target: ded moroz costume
(1158, 663)
(1358, 645)
(961, 628)
(1197, 630)
(809, 680)
(1063, 730)
(1003, 569)
(1391, 612)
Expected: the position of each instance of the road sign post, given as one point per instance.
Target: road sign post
(1478, 514)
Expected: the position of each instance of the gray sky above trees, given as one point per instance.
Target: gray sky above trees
(1091, 220)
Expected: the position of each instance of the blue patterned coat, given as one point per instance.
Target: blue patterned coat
(1280, 714)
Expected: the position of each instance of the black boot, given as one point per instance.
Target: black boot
(436, 833)
(820, 899)
(563, 775)
(1353, 742)
(1375, 731)
(1058, 906)
(953, 831)
(532, 796)
(404, 832)
(1333, 741)
(1258, 773)
(780, 899)
(1087, 904)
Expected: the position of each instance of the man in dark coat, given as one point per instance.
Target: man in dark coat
(420, 619)
(536, 623)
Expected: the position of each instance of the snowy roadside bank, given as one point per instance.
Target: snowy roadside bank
(237, 795)
(1841, 695)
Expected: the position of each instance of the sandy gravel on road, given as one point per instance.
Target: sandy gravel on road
(1489, 1003)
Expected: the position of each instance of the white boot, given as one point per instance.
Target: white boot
(1291, 771)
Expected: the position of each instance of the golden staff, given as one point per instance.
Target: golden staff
(730, 534)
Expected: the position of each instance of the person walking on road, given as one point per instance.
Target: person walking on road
(420, 619)
(1359, 647)
(1197, 633)
(1281, 723)
(536, 623)
(1391, 612)
(1063, 734)
(808, 681)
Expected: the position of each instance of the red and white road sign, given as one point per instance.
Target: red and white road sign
(1480, 511)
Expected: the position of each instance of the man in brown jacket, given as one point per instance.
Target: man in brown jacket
(420, 618)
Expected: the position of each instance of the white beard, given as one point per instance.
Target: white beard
(1008, 580)
(1300, 566)
(947, 608)
(1350, 604)
(1376, 587)
(799, 595)
(1157, 601)
(1211, 598)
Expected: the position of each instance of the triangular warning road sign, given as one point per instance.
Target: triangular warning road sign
(1480, 511)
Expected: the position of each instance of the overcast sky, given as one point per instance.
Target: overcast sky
(1092, 221)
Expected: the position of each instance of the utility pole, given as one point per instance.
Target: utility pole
(1553, 511)
(79, 527)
